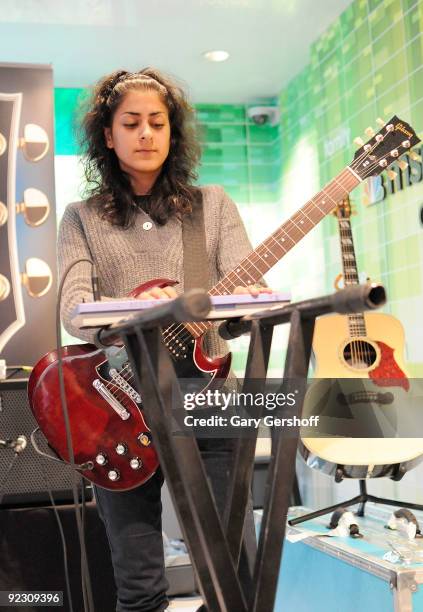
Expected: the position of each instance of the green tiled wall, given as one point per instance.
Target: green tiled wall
(241, 156)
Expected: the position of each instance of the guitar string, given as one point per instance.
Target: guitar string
(172, 330)
(363, 346)
(200, 327)
(189, 336)
(309, 205)
(247, 265)
(354, 327)
(355, 348)
(349, 279)
(355, 162)
(223, 283)
(352, 346)
(346, 278)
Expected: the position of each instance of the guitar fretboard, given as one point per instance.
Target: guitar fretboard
(356, 322)
(251, 269)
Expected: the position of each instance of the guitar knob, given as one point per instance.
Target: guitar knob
(101, 459)
(145, 438)
(121, 448)
(113, 475)
(135, 463)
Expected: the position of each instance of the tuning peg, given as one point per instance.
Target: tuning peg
(391, 174)
(380, 122)
(369, 131)
(358, 141)
(415, 156)
(402, 164)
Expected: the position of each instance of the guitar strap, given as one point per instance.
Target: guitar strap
(196, 265)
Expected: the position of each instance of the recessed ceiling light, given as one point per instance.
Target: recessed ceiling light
(216, 56)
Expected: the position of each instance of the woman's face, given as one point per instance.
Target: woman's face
(140, 134)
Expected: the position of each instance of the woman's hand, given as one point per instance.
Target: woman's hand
(253, 290)
(156, 293)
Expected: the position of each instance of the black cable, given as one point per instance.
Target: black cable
(13, 372)
(62, 537)
(15, 369)
(85, 576)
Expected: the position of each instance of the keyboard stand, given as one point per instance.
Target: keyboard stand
(215, 545)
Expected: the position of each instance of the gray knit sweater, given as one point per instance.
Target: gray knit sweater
(126, 258)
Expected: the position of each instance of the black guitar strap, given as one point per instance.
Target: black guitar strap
(196, 265)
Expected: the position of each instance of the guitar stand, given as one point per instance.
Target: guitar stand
(361, 499)
(215, 544)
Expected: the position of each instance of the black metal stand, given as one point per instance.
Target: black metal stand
(361, 499)
(215, 544)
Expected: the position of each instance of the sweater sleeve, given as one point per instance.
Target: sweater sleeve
(72, 245)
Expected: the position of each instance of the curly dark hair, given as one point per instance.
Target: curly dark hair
(108, 187)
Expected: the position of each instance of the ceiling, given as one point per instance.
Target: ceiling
(268, 40)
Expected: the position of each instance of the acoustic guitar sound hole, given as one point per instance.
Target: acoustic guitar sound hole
(359, 354)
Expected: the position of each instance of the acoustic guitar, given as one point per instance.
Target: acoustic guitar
(363, 385)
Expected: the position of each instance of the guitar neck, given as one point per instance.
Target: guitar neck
(271, 250)
(251, 269)
(356, 322)
(349, 263)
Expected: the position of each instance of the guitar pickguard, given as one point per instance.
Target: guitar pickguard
(388, 373)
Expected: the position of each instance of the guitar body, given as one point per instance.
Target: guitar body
(351, 391)
(105, 411)
(331, 334)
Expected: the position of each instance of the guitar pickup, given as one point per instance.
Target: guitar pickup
(111, 400)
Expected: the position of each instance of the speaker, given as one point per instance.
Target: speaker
(23, 476)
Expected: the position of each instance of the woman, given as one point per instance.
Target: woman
(141, 153)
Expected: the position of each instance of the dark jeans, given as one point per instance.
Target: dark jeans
(134, 530)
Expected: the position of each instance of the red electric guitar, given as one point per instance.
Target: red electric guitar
(109, 433)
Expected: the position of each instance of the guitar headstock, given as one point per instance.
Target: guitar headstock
(377, 154)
